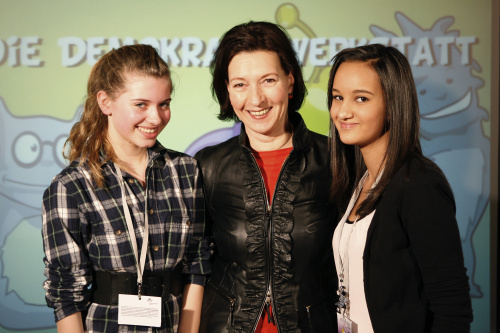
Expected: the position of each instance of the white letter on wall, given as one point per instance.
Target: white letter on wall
(27, 51)
(316, 51)
(68, 45)
(93, 50)
(191, 49)
(168, 51)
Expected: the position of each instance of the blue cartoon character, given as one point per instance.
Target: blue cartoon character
(30, 150)
(451, 126)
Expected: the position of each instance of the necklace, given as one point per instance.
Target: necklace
(343, 291)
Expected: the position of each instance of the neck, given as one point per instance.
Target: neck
(260, 142)
(133, 161)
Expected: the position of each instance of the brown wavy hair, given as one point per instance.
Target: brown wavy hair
(88, 137)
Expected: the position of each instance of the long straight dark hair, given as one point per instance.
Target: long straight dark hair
(402, 123)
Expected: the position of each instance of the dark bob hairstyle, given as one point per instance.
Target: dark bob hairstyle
(402, 123)
(251, 37)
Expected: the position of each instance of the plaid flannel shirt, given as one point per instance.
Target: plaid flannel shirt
(84, 229)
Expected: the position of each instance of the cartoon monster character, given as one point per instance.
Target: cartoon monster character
(451, 126)
(30, 150)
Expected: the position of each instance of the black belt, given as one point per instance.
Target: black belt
(108, 285)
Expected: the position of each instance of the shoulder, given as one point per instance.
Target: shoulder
(178, 158)
(419, 170)
(73, 173)
(319, 139)
(71, 180)
(173, 162)
(214, 153)
(420, 178)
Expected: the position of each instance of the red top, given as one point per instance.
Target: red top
(270, 163)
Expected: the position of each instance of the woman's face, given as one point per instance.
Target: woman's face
(139, 113)
(258, 90)
(358, 107)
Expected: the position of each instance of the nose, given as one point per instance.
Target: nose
(344, 111)
(154, 115)
(256, 95)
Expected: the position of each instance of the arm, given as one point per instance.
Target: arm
(71, 324)
(191, 308)
(66, 264)
(428, 212)
(197, 256)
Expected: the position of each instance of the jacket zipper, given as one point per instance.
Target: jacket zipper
(308, 309)
(232, 303)
(269, 299)
(231, 308)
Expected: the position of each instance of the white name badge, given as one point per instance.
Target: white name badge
(345, 325)
(143, 312)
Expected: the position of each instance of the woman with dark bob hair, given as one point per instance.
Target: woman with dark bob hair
(267, 194)
(397, 248)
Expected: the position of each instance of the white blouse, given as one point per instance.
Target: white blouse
(348, 243)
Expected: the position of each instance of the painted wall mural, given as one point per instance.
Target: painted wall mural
(448, 62)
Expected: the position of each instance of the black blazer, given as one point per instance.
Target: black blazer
(414, 274)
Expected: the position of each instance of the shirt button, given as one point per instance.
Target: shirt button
(188, 223)
(156, 248)
(130, 181)
(151, 212)
(118, 232)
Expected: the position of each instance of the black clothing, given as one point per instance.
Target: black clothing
(287, 246)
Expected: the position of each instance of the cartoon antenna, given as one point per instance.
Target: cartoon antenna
(287, 15)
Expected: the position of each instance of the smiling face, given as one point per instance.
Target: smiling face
(138, 114)
(358, 107)
(258, 90)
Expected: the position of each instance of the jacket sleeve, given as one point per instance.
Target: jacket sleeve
(428, 214)
(67, 267)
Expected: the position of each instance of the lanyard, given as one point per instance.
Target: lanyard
(139, 263)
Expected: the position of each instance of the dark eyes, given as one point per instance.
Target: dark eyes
(359, 99)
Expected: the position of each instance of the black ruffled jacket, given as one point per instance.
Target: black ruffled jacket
(287, 247)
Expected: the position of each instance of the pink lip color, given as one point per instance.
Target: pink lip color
(149, 135)
(345, 125)
(259, 117)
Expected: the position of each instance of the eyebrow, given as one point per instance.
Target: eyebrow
(147, 100)
(261, 77)
(357, 91)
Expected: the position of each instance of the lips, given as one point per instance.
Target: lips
(345, 125)
(147, 130)
(259, 113)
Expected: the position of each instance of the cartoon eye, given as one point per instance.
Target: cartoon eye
(27, 149)
(449, 81)
(58, 150)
